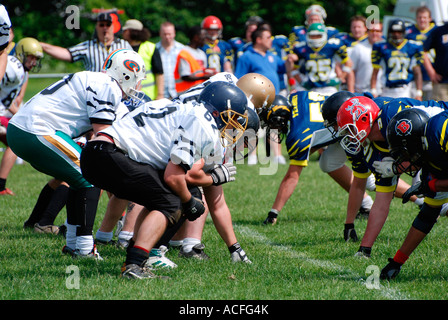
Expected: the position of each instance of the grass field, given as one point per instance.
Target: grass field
(303, 257)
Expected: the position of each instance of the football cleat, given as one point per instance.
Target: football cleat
(7, 191)
(68, 250)
(196, 252)
(91, 255)
(158, 260)
(363, 213)
(133, 271)
(51, 229)
(105, 243)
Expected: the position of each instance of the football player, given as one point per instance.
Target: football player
(150, 151)
(397, 53)
(42, 133)
(219, 52)
(28, 53)
(418, 141)
(362, 128)
(316, 58)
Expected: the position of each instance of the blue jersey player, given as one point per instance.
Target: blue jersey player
(419, 141)
(317, 57)
(396, 54)
(219, 52)
(362, 128)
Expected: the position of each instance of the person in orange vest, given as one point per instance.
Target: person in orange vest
(191, 66)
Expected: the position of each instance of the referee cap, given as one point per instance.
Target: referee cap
(104, 16)
(133, 24)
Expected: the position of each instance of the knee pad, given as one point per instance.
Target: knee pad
(426, 218)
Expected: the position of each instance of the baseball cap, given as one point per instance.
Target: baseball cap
(104, 16)
(133, 24)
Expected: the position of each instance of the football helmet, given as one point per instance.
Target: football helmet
(355, 119)
(316, 35)
(228, 106)
(315, 9)
(127, 68)
(29, 47)
(259, 89)
(330, 109)
(406, 137)
(277, 118)
(212, 23)
(396, 25)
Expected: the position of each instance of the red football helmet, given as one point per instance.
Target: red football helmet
(211, 23)
(355, 119)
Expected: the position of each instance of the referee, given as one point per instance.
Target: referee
(91, 52)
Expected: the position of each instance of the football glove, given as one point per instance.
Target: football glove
(391, 270)
(193, 208)
(420, 187)
(350, 234)
(386, 167)
(223, 173)
(271, 219)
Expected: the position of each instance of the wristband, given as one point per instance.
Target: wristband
(346, 69)
(419, 93)
(374, 91)
(400, 257)
(432, 185)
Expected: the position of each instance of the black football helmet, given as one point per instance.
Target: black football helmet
(277, 118)
(330, 109)
(396, 25)
(228, 106)
(406, 137)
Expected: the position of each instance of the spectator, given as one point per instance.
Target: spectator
(137, 35)
(169, 48)
(362, 61)
(420, 32)
(191, 66)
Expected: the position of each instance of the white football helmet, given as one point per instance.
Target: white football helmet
(127, 68)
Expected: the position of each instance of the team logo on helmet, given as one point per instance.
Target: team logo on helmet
(356, 109)
(131, 65)
(403, 128)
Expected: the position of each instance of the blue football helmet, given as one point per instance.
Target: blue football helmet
(228, 106)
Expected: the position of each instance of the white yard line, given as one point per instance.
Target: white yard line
(386, 292)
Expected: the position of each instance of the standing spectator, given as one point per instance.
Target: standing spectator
(259, 59)
(5, 27)
(316, 58)
(420, 32)
(437, 72)
(191, 65)
(397, 53)
(169, 48)
(137, 35)
(238, 44)
(362, 61)
(219, 52)
(91, 52)
(27, 56)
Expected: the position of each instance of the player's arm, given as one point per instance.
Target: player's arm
(373, 81)
(355, 196)
(433, 75)
(418, 78)
(57, 52)
(287, 186)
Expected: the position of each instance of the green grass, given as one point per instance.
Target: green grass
(303, 257)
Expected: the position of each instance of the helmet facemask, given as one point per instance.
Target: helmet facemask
(352, 140)
(233, 125)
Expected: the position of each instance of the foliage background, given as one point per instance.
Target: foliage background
(45, 20)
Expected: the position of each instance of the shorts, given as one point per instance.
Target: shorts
(107, 167)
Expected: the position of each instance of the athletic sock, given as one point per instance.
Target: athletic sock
(58, 201)
(136, 255)
(189, 243)
(2, 184)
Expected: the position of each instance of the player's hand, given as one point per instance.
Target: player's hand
(391, 270)
(193, 208)
(420, 187)
(386, 167)
(223, 173)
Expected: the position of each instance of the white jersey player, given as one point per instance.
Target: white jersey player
(12, 82)
(43, 130)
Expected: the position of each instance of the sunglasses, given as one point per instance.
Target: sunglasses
(102, 24)
(375, 31)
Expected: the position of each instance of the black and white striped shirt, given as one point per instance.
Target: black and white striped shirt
(93, 53)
